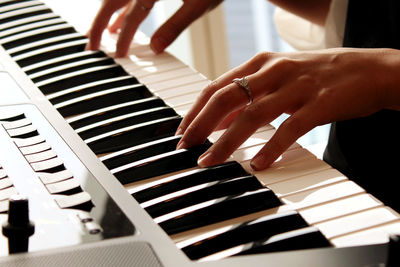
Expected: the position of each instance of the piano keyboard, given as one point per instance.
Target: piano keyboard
(118, 118)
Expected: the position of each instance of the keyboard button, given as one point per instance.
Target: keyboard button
(43, 44)
(5, 182)
(90, 88)
(124, 121)
(50, 52)
(71, 67)
(23, 132)
(41, 156)
(6, 193)
(158, 165)
(102, 99)
(91, 117)
(305, 238)
(59, 61)
(189, 179)
(217, 210)
(140, 152)
(199, 194)
(24, 13)
(81, 201)
(36, 35)
(65, 187)
(51, 165)
(242, 233)
(122, 138)
(80, 77)
(48, 178)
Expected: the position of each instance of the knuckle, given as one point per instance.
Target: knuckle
(285, 64)
(222, 98)
(261, 57)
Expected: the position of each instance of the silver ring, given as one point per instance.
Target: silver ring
(243, 83)
(142, 7)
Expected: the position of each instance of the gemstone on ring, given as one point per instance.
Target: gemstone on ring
(243, 83)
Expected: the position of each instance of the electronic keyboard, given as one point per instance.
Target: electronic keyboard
(90, 174)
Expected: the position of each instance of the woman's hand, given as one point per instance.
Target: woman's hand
(315, 88)
(133, 14)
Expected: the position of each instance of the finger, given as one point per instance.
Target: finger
(176, 24)
(245, 69)
(288, 132)
(99, 24)
(117, 24)
(134, 16)
(247, 122)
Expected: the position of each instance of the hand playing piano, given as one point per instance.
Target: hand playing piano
(132, 15)
(315, 88)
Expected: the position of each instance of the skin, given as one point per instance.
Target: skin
(135, 11)
(133, 15)
(313, 87)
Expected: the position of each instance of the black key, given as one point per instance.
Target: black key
(159, 165)
(25, 13)
(80, 77)
(219, 210)
(204, 175)
(13, 2)
(50, 42)
(305, 238)
(125, 121)
(90, 88)
(80, 65)
(115, 110)
(208, 191)
(50, 53)
(20, 26)
(48, 32)
(140, 152)
(102, 99)
(133, 135)
(56, 62)
(246, 232)
(28, 21)
(32, 27)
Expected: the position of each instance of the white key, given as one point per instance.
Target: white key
(375, 235)
(180, 81)
(181, 90)
(307, 182)
(167, 75)
(340, 208)
(357, 222)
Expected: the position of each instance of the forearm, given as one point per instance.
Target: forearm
(315, 11)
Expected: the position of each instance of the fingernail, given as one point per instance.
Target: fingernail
(158, 44)
(205, 160)
(181, 145)
(257, 163)
(179, 131)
